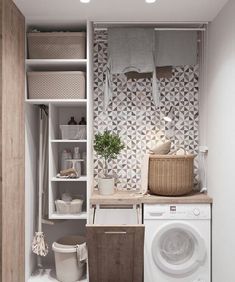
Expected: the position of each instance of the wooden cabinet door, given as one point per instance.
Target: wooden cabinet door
(115, 253)
(12, 174)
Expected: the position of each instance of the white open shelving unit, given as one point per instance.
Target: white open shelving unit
(59, 113)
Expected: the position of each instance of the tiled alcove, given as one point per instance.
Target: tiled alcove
(133, 115)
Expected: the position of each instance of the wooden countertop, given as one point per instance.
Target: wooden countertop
(194, 198)
(118, 198)
(132, 198)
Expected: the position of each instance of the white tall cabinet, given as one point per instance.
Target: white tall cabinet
(59, 112)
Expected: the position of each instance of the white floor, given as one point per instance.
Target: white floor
(47, 275)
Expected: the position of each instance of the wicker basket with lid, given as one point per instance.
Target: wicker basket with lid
(171, 175)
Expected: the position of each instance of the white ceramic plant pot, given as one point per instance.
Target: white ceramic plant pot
(106, 186)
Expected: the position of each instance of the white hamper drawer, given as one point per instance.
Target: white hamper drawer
(56, 85)
(56, 45)
(117, 216)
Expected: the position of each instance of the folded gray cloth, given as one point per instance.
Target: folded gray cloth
(130, 49)
(162, 72)
(176, 48)
(82, 252)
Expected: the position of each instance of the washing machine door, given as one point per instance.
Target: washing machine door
(178, 248)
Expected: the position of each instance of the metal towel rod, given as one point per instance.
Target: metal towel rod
(164, 28)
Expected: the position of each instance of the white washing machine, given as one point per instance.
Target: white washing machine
(177, 243)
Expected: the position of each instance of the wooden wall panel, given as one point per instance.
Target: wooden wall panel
(12, 142)
(1, 142)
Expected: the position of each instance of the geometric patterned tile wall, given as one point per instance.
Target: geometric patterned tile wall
(133, 115)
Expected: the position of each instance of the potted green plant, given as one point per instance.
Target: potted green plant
(108, 145)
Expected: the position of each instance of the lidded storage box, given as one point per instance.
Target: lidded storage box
(56, 45)
(171, 175)
(56, 85)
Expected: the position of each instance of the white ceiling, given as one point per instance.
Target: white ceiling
(119, 10)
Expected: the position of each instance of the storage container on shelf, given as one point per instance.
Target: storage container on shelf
(56, 85)
(71, 207)
(56, 45)
(73, 132)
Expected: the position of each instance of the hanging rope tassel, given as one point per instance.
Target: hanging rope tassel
(39, 246)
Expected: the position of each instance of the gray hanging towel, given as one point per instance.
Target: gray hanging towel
(130, 49)
(176, 48)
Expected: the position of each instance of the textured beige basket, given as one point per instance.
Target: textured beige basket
(73, 207)
(56, 85)
(171, 175)
(56, 45)
(73, 132)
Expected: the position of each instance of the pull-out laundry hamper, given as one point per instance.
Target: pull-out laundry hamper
(56, 85)
(68, 266)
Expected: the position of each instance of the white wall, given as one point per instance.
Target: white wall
(218, 117)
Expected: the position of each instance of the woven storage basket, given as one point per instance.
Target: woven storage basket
(56, 45)
(63, 207)
(171, 175)
(73, 132)
(56, 85)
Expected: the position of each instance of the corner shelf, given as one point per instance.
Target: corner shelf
(59, 102)
(58, 64)
(68, 141)
(82, 215)
(80, 179)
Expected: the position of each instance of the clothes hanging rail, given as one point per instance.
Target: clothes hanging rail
(163, 28)
(177, 26)
(202, 29)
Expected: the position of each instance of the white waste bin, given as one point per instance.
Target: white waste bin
(69, 267)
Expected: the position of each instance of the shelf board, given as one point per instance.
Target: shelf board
(83, 178)
(82, 215)
(68, 141)
(56, 64)
(46, 275)
(58, 102)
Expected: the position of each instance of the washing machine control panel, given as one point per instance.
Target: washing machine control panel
(179, 211)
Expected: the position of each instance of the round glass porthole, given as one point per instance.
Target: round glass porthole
(178, 248)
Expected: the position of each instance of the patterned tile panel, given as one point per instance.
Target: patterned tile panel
(133, 115)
